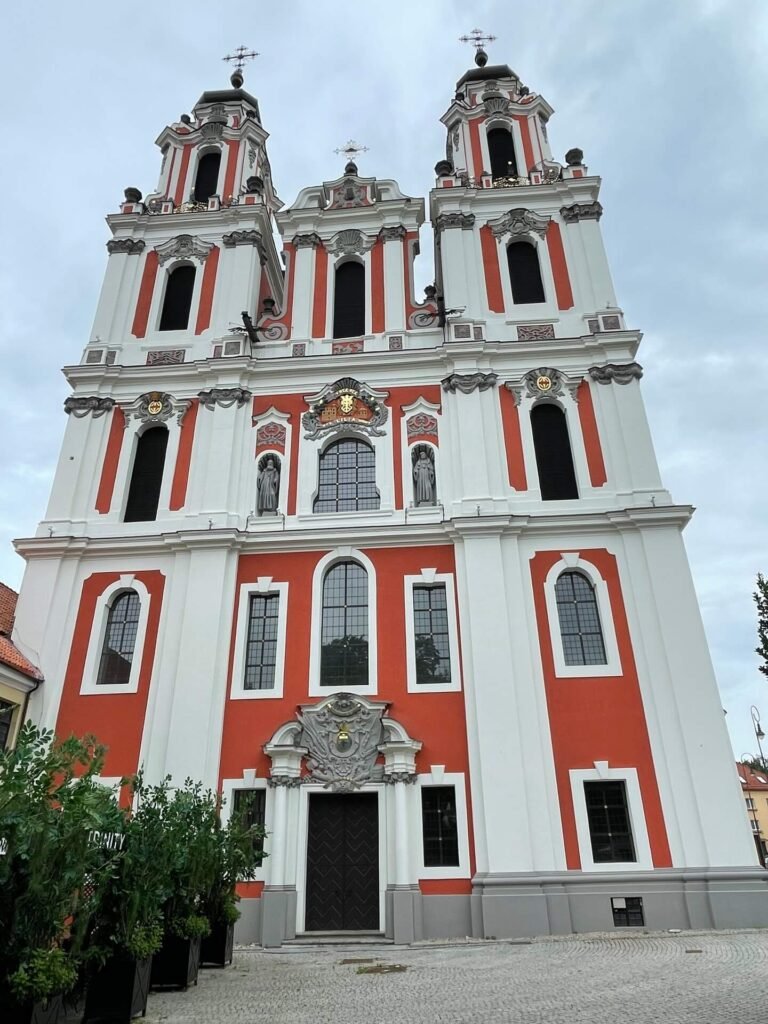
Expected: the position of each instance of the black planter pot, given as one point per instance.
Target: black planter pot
(216, 948)
(119, 991)
(30, 1013)
(177, 962)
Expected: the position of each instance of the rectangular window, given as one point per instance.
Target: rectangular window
(430, 625)
(609, 828)
(249, 806)
(6, 717)
(438, 818)
(750, 803)
(261, 648)
(627, 911)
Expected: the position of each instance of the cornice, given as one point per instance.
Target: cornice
(565, 192)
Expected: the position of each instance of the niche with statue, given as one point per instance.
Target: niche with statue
(424, 481)
(268, 485)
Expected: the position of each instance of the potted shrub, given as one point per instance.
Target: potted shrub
(53, 866)
(127, 927)
(238, 853)
(192, 825)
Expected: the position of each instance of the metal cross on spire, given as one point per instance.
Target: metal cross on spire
(350, 149)
(238, 58)
(476, 38)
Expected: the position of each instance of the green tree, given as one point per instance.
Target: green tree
(760, 597)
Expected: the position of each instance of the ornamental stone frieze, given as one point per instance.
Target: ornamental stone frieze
(494, 100)
(465, 221)
(616, 373)
(186, 247)
(392, 778)
(544, 382)
(284, 780)
(156, 407)
(224, 397)
(469, 382)
(85, 405)
(394, 233)
(581, 211)
(131, 246)
(342, 405)
(311, 240)
(519, 222)
(252, 237)
(349, 242)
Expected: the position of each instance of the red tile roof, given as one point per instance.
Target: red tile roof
(10, 655)
(752, 779)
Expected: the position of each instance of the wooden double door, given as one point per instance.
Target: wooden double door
(343, 862)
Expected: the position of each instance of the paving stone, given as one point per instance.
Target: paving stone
(592, 979)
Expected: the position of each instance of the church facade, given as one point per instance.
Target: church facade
(396, 574)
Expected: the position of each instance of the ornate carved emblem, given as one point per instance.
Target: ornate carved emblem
(252, 237)
(156, 407)
(535, 332)
(83, 405)
(618, 373)
(308, 241)
(132, 246)
(392, 234)
(349, 241)
(519, 222)
(469, 382)
(165, 356)
(342, 736)
(225, 397)
(454, 220)
(347, 402)
(541, 382)
(183, 247)
(581, 211)
(349, 193)
(271, 435)
(422, 425)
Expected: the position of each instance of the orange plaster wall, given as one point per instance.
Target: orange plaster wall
(513, 440)
(207, 291)
(183, 168)
(320, 297)
(146, 289)
(229, 181)
(559, 266)
(117, 720)
(377, 287)
(491, 270)
(595, 461)
(183, 458)
(111, 460)
(525, 132)
(474, 143)
(599, 718)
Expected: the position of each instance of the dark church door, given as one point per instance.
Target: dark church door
(343, 863)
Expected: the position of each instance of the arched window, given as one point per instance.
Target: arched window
(177, 300)
(146, 476)
(557, 479)
(344, 632)
(347, 478)
(207, 177)
(501, 149)
(119, 640)
(524, 273)
(349, 300)
(580, 628)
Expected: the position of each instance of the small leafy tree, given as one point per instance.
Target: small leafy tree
(760, 597)
(54, 813)
(239, 852)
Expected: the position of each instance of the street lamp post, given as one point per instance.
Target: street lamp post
(759, 734)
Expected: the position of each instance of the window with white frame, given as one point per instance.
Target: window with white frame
(610, 830)
(431, 633)
(249, 809)
(116, 644)
(439, 826)
(344, 630)
(258, 664)
(347, 477)
(248, 799)
(610, 819)
(579, 619)
(119, 640)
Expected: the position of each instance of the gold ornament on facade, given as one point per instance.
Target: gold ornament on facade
(543, 383)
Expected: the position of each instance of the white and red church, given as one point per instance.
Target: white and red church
(402, 568)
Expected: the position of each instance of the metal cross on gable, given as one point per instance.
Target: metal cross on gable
(476, 38)
(240, 56)
(350, 149)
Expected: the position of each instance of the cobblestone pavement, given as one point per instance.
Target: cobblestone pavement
(701, 977)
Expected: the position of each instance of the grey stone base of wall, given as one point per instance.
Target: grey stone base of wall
(526, 905)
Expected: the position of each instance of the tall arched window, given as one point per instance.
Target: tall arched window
(524, 273)
(349, 300)
(119, 640)
(146, 476)
(501, 149)
(177, 300)
(557, 478)
(344, 632)
(580, 628)
(347, 478)
(207, 177)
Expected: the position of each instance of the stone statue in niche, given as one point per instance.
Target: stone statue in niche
(268, 486)
(423, 477)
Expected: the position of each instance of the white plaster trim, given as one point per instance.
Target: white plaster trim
(567, 403)
(262, 586)
(98, 630)
(228, 786)
(628, 776)
(174, 339)
(458, 781)
(613, 667)
(301, 847)
(429, 577)
(341, 554)
(527, 311)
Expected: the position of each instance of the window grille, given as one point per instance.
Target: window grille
(261, 648)
(440, 829)
(119, 640)
(430, 621)
(580, 629)
(344, 633)
(248, 805)
(347, 478)
(609, 827)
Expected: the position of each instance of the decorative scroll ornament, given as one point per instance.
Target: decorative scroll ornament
(252, 237)
(350, 193)
(224, 397)
(342, 735)
(392, 778)
(519, 222)
(284, 780)
(581, 211)
(308, 241)
(271, 435)
(544, 382)
(617, 373)
(494, 101)
(343, 404)
(455, 220)
(156, 407)
(349, 241)
(469, 382)
(84, 405)
(131, 246)
(187, 247)
(393, 234)
(422, 425)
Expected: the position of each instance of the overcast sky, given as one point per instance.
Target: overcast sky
(667, 100)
